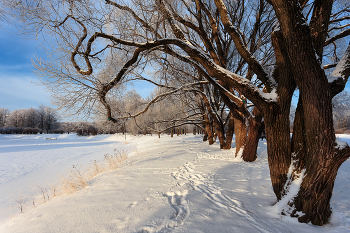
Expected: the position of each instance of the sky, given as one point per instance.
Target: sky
(20, 88)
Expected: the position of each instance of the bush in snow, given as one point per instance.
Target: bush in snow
(29, 130)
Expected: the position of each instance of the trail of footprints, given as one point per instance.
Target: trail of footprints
(204, 183)
(178, 202)
(186, 176)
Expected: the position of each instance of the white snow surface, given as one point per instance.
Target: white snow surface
(178, 184)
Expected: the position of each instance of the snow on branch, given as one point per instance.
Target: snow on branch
(242, 49)
(342, 69)
(340, 74)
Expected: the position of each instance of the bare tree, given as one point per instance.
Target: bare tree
(201, 34)
(4, 113)
(47, 119)
(341, 110)
(16, 119)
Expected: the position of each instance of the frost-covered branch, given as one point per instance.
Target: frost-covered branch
(242, 49)
(340, 74)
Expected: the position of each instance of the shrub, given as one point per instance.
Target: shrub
(58, 131)
(340, 131)
(29, 130)
(12, 130)
(92, 130)
(80, 132)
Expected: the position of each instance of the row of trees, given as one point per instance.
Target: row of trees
(341, 112)
(44, 119)
(231, 63)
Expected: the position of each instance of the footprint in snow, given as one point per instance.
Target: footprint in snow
(178, 202)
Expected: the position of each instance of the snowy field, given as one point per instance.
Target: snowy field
(178, 184)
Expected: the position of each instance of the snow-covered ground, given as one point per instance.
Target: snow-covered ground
(178, 184)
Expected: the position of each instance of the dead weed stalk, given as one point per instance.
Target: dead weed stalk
(77, 179)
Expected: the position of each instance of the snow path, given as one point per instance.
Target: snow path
(178, 184)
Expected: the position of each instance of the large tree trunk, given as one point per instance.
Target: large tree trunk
(219, 132)
(276, 119)
(240, 135)
(278, 146)
(316, 189)
(320, 159)
(209, 135)
(254, 133)
(229, 132)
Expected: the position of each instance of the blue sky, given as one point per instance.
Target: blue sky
(19, 88)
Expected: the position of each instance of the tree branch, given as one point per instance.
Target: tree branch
(338, 36)
(242, 49)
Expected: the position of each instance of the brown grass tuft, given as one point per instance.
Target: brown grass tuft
(76, 180)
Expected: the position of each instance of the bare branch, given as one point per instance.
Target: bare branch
(339, 19)
(242, 49)
(338, 36)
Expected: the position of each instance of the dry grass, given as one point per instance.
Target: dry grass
(76, 180)
(21, 201)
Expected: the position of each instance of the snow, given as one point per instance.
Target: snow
(178, 184)
(292, 186)
(341, 144)
(341, 67)
(270, 97)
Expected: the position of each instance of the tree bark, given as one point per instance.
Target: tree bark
(315, 128)
(229, 132)
(278, 147)
(208, 131)
(254, 133)
(276, 119)
(240, 135)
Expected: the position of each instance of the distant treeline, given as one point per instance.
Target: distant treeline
(46, 120)
(29, 121)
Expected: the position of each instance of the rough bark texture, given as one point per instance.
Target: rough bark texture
(278, 147)
(240, 134)
(315, 128)
(254, 133)
(298, 138)
(229, 132)
(276, 118)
